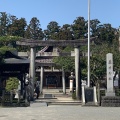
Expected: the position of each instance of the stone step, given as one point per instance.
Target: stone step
(38, 104)
(90, 104)
(55, 96)
(64, 103)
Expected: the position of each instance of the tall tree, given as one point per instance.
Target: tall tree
(106, 33)
(79, 28)
(4, 21)
(65, 32)
(17, 27)
(52, 30)
(33, 30)
(94, 25)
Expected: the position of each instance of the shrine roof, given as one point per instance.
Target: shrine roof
(11, 58)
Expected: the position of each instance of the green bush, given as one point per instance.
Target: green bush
(12, 83)
(74, 95)
(102, 92)
(117, 92)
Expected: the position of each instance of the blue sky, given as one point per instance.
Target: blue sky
(63, 11)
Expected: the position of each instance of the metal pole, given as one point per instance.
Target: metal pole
(119, 38)
(88, 78)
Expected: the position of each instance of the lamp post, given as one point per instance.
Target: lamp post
(88, 77)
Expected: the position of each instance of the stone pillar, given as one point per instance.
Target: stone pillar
(21, 84)
(32, 70)
(41, 79)
(71, 85)
(110, 89)
(63, 81)
(21, 87)
(77, 72)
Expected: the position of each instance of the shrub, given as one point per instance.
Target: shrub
(74, 95)
(12, 83)
(117, 92)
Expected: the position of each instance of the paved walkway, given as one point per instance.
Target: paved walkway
(42, 112)
(58, 98)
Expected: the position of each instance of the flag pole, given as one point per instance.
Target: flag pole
(88, 78)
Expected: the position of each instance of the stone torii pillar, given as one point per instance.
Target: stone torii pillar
(63, 81)
(77, 73)
(41, 79)
(32, 70)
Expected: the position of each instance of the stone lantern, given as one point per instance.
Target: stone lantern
(72, 78)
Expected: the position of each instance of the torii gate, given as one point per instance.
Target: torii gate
(74, 43)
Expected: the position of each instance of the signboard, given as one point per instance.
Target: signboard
(44, 61)
(89, 95)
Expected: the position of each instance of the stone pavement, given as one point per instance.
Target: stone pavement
(60, 112)
(58, 98)
(39, 110)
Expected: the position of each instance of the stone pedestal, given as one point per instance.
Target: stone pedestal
(71, 85)
(110, 101)
(110, 94)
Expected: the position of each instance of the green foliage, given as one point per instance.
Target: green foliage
(4, 21)
(79, 28)
(2, 52)
(74, 95)
(67, 62)
(65, 33)
(117, 92)
(52, 31)
(33, 30)
(106, 33)
(94, 25)
(17, 28)
(12, 83)
(102, 92)
(6, 48)
(7, 43)
(8, 40)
